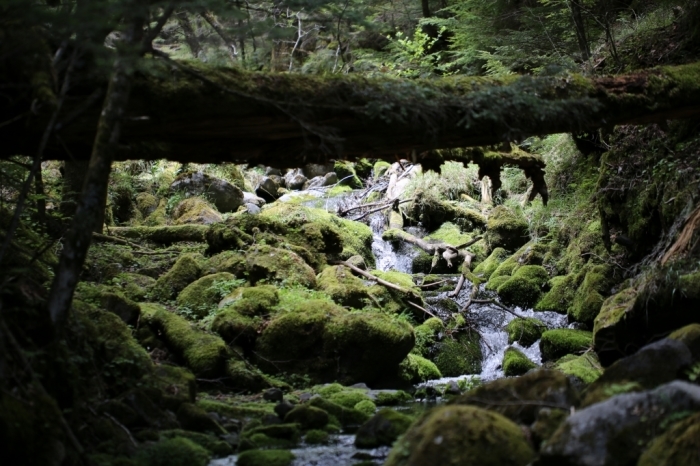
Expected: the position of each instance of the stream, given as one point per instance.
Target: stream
(489, 319)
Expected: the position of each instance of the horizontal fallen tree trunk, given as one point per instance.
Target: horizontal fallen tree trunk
(199, 113)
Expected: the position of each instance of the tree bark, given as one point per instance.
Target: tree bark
(580, 28)
(190, 35)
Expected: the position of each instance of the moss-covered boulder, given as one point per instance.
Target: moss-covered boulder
(426, 335)
(557, 343)
(586, 367)
(217, 448)
(416, 369)
(349, 418)
(678, 446)
(330, 343)
(459, 354)
(265, 458)
(225, 196)
(561, 294)
(227, 261)
(507, 228)
(347, 175)
(348, 398)
(192, 417)
(197, 211)
(178, 451)
(236, 328)
(588, 298)
(202, 295)
(252, 300)
(146, 203)
(516, 363)
(522, 398)
(134, 286)
(468, 435)
(495, 282)
(177, 385)
(278, 266)
(159, 216)
(185, 270)
(308, 417)
(382, 429)
(690, 336)
(519, 291)
(343, 287)
(203, 353)
(525, 331)
(486, 268)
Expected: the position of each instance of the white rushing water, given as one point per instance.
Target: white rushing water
(387, 257)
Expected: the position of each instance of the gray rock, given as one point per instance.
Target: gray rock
(282, 408)
(273, 394)
(252, 209)
(225, 196)
(295, 179)
(615, 432)
(272, 171)
(250, 198)
(267, 189)
(452, 388)
(330, 178)
(312, 170)
(315, 182)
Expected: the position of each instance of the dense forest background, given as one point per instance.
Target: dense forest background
(117, 344)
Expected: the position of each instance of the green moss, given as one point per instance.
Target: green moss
(585, 367)
(588, 299)
(347, 175)
(235, 411)
(236, 328)
(348, 398)
(278, 266)
(690, 335)
(519, 291)
(245, 377)
(495, 282)
(392, 398)
(193, 417)
(459, 355)
(316, 437)
(265, 458)
(507, 228)
(366, 406)
(561, 294)
(534, 273)
(347, 417)
(218, 448)
(525, 331)
(196, 210)
(468, 435)
(308, 417)
(185, 270)
(176, 451)
(560, 342)
(163, 234)
(203, 353)
(416, 369)
(380, 168)
(159, 216)
(134, 285)
(201, 296)
(176, 383)
(252, 301)
(678, 446)
(449, 233)
(341, 285)
(516, 363)
(277, 431)
(226, 261)
(329, 389)
(338, 190)
(383, 429)
(505, 268)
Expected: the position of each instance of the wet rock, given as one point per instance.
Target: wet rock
(358, 261)
(586, 367)
(655, 364)
(459, 354)
(250, 198)
(312, 170)
(295, 179)
(547, 422)
(521, 398)
(462, 435)
(225, 196)
(265, 458)
(267, 189)
(678, 446)
(525, 331)
(273, 171)
(282, 408)
(273, 394)
(690, 336)
(195, 211)
(349, 418)
(615, 432)
(416, 369)
(382, 429)
(308, 417)
(252, 209)
(516, 363)
(346, 174)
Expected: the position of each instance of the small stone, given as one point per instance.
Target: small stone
(273, 394)
(252, 209)
(271, 420)
(281, 409)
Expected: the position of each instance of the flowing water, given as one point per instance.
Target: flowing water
(489, 320)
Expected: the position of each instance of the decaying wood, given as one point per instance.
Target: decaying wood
(371, 277)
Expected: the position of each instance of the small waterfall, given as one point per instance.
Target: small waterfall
(387, 257)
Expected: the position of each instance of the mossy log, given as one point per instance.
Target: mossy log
(199, 113)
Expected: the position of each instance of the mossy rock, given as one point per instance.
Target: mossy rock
(610, 328)
(486, 268)
(519, 291)
(146, 203)
(459, 355)
(678, 446)
(382, 429)
(416, 369)
(235, 411)
(201, 296)
(308, 417)
(287, 431)
(316, 437)
(347, 175)
(586, 367)
(278, 266)
(469, 435)
(561, 294)
(380, 168)
(134, 286)
(525, 331)
(495, 282)
(534, 273)
(177, 384)
(349, 418)
(227, 261)
(507, 229)
(163, 234)
(196, 211)
(426, 334)
(265, 458)
(111, 299)
(343, 287)
(557, 343)
(203, 353)
(217, 448)
(178, 451)
(366, 406)
(237, 329)
(192, 417)
(521, 398)
(516, 363)
(253, 300)
(246, 378)
(158, 217)
(185, 270)
(348, 398)
(690, 335)
(588, 299)
(392, 398)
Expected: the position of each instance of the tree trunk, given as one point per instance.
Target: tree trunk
(90, 210)
(190, 35)
(580, 28)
